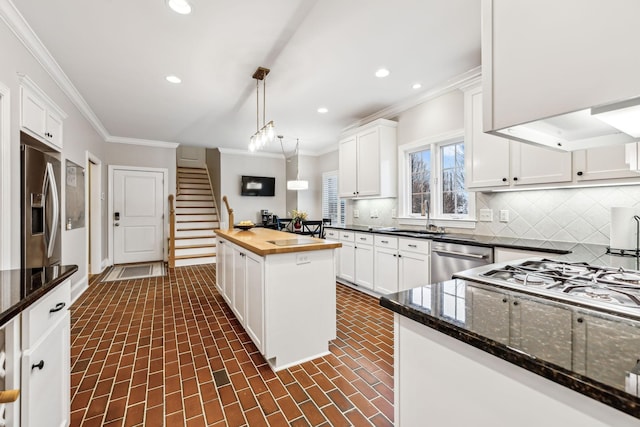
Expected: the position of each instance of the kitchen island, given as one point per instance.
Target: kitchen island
(282, 289)
(468, 353)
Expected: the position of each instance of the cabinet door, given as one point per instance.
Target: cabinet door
(369, 162)
(34, 113)
(229, 272)
(334, 236)
(45, 379)
(347, 261)
(414, 270)
(487, 156)
(255, 299)
(220, 264)
(53, 129)
(531, 164)
(542, 330)
(347, 170)
(602, 163)
(364, 265)
(385, 278)
(487, 313)
(239, 283)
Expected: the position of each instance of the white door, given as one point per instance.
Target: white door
(138, 224)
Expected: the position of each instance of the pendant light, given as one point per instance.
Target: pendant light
(296, 184)
(267, 132)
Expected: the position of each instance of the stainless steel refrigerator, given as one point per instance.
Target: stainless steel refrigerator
(40, 207)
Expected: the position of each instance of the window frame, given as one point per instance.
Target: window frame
(404, 183)
(341, 203)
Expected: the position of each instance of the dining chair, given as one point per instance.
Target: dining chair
(325, 222)
(312, 228)
(285, 224)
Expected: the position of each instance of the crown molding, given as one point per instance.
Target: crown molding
(145, 142)
(458, 82)
(238, 152)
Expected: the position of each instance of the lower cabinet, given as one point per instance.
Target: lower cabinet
(385, 270)
(363, 258)
(333, 235)
(239, 282)
(45, 370)
(254, 317)
(413, 263)
(348, 256)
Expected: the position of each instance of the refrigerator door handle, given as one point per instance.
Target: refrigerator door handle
(51, 181)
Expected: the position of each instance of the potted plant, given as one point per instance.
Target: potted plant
(297, 217)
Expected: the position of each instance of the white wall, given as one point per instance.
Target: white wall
(233, 166)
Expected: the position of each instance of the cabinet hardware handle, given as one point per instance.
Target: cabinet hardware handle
(504, 300)
(363, 238)
(59, 306)
(580, 173)
(516, 303)
(38, 365)
(504, 179)
(395, 255)
(384, 241)
(413, 246)
(515, 178)
(346, 236)
(461, 254)
(580, 320)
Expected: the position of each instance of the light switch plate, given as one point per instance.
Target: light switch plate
(356, 213)
(374, 213)
(486, 215)
(504, 215)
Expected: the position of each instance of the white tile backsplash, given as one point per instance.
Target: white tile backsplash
(568, 214)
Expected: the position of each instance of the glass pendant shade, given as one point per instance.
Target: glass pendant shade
(298, 185)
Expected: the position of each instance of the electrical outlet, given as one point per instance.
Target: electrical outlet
(356, 213)
(486, 215)
(504, 215)
(302, 259)
(374, 213)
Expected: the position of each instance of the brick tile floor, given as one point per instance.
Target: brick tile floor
(169, 352)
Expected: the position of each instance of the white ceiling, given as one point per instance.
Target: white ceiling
(320, 52)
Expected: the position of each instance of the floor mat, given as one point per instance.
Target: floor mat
(135, 271)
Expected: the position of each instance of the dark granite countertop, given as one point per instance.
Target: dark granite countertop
(21, 288)
(546, 337)
(470, 239)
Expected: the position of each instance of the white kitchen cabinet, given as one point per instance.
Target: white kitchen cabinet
(227, 271)
(493, 162)
(364, 260)
(509, 254)
(221, 249)
(488, 313)
(385, 266)
(347, 256)
(254, 319)
(367, 161)
(40, 117)
(333, 235)
(602, 163)
(413, 264)
(45, 399)
(238, 303)
(544, 58)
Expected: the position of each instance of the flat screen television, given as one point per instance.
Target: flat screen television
(258, 186)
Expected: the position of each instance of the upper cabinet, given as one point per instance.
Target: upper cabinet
(494, 162)
(367, 161)
(547, 63)
(40, 117)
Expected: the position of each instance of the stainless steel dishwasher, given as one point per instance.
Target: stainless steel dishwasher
(450, 258)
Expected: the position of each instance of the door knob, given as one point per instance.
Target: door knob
(117, 224)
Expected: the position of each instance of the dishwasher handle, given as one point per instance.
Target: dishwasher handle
(460, 254)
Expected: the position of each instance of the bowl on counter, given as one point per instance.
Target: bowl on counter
(244, 226)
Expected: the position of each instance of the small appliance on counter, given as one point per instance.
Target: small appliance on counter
(266, 216)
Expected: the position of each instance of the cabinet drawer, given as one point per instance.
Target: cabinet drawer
(386, 242)
(364, 238)
(332, 234)
(414, 245)
(43, 314)
(347, 236)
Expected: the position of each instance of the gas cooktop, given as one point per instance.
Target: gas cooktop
(612, 289)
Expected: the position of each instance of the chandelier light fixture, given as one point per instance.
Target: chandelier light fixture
(295, 184)
(267, 132)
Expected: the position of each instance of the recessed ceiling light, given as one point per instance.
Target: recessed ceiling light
(416, 86)
(173, 79)
(180, 6)
(323, 110)
(382, 72)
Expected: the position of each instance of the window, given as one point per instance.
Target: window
(332, 207)
(435, 180)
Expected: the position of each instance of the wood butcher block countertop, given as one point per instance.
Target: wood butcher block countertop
(264, 241)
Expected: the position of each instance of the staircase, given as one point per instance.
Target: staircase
(196, 216)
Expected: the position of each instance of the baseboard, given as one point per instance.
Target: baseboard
(105, 263)
(78, 288)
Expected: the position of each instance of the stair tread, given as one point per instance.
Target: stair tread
(195, 229)
(195, 256)
(202, 236)
(203, 245)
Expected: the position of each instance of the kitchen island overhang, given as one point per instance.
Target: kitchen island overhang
(282, 289)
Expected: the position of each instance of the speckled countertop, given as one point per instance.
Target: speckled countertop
(23, 287)
(546, 337)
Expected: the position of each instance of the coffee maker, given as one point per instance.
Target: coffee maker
(266, 216)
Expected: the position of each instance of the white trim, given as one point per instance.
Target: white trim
(33, 87)
(452, 84)
(78, 288)
(238, 152)
(106, 262)
(165, 209)
(5, 178)
(137, 141)
(94, 222)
